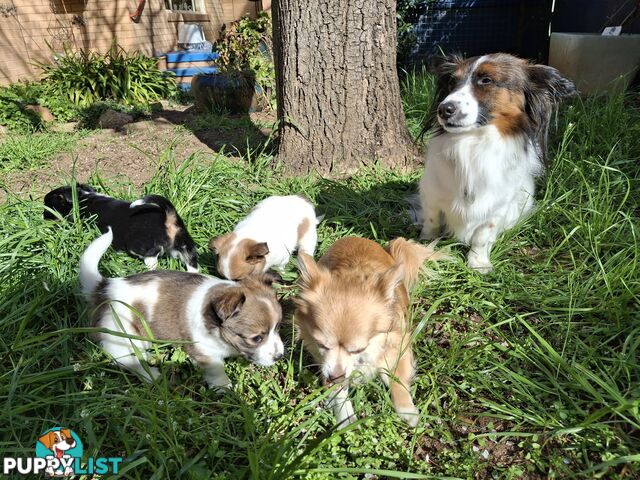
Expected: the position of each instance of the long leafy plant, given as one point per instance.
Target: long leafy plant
(85, 77)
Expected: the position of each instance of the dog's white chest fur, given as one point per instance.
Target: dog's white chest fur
(477, 184)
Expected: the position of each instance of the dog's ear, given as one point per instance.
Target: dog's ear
(59, 196)
(549, 80)
(270, 277)
(256, 252)
(445, 67)
(85, 188)
(545, 89)
(310, 271)
(216, 244)
(48, 439)
(388, 281)
(229, 303)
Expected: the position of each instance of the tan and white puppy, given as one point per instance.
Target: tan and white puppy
(220, 318)
(351, 313)
(267, 237)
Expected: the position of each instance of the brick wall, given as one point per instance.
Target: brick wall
(29, 27)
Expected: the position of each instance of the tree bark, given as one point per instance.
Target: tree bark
(337, 86)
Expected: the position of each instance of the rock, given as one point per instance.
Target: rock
(68, 127)
(115, 120)
(42, 112)
(136, 127)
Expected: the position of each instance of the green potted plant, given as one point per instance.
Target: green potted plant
(245, 80)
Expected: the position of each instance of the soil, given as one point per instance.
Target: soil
(133, 152)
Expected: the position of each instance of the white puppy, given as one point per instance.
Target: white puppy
(267, 237)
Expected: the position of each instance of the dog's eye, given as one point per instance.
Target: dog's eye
(321, 346)
(256, 339)
(485, 81)
(358, 351)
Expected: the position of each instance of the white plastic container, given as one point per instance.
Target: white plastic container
(594, 62)
(190, 33)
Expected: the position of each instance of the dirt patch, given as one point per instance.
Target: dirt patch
(135, 151)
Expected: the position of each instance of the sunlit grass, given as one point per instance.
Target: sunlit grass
(531, 370)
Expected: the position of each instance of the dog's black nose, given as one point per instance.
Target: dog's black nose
(278, 356)
(447, 110)
(70, 441)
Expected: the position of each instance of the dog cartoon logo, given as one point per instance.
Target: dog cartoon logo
(60, 447)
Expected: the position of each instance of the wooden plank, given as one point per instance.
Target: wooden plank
(190, 72)
(176, 57)
(190, 64)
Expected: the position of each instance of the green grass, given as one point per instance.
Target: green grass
(25, 151)
(418, 95)
(529, 372)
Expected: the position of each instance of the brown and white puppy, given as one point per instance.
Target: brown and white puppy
(351, 313)
(220, 318)
(491, 143)
(267, 237)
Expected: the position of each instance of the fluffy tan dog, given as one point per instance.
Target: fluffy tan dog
(351, 312)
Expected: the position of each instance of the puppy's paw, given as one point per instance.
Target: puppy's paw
(409, 414)
(218, 382)
(151, 262)
(478, 264)
(344, 414)
(427, 233)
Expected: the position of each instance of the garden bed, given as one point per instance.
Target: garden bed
(133, 152)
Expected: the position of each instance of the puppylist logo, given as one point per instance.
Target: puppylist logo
(59, 454)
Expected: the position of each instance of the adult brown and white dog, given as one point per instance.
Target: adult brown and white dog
(219, 318)
(490, 145)
(351, 313)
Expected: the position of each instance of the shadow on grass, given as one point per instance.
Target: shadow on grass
(243, 134)
(379, 211)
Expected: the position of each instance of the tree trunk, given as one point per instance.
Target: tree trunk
(337, 86)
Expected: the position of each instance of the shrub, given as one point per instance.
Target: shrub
(407, 15)
(246, 47)
(14, 99)
(84, 77)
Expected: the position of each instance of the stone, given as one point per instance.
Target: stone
(136, 127)
(67, 127)
(42, 112)
(115, 120)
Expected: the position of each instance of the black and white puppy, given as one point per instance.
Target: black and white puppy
(490, 145)
(147, 228)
